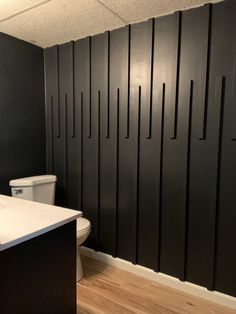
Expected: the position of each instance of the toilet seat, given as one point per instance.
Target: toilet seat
(82, 226)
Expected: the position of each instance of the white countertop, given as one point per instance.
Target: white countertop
(21, 220)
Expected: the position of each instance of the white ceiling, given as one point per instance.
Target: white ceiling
(49, 22)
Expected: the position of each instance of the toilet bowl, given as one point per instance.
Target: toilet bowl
(83, 229)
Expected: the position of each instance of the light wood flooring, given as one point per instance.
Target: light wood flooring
(106, 289)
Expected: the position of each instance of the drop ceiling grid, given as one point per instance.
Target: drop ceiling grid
(11, 7)
(138, 10)
(59, 21)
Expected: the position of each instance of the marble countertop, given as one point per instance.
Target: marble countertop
(21, 220)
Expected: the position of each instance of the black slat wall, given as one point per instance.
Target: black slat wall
(141, 134)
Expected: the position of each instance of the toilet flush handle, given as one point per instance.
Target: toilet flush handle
(18, 191)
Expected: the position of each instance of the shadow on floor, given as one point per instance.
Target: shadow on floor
(92, 267)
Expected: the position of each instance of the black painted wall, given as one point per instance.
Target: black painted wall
(22, 113)
(141, 134)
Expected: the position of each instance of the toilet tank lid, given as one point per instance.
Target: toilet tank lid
(36, 180)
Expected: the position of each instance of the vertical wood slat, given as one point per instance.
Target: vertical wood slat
(220, 99)
(138, 171)
(183, 274)
(83, 159)
(119, 40)
(165, 48)
(141, 76)
(107, 145)
(81, 147)
(128, 91)
(199, 188)
(157, 267)
(149, 122)
(80, 99)
(61, 164)
(98, 163)
(73, 126)
(108, 87)
(66, 142)
(58, 101)
(69, 142)
(90, 183)
(176, 105)
(117, 168)
(58, 119)
(127, 144)
(127, 168)
(90, 90)
(173, 170)
(204, 107)
(52, 136)
(73, 135)
(52, 93)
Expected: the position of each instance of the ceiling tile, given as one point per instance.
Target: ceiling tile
(11, 7)
(60, 21)
(137, 10)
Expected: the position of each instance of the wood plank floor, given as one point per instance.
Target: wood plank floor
(106, 290)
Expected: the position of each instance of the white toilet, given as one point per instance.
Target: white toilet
(42, 189)
(39, 188)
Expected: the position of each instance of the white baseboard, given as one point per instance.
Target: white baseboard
(164, 279)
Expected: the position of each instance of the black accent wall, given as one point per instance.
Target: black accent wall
(141, 133)
(22, 113)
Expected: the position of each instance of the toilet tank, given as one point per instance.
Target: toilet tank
(39, 188)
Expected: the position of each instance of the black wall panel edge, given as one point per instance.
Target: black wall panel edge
(22, 111)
